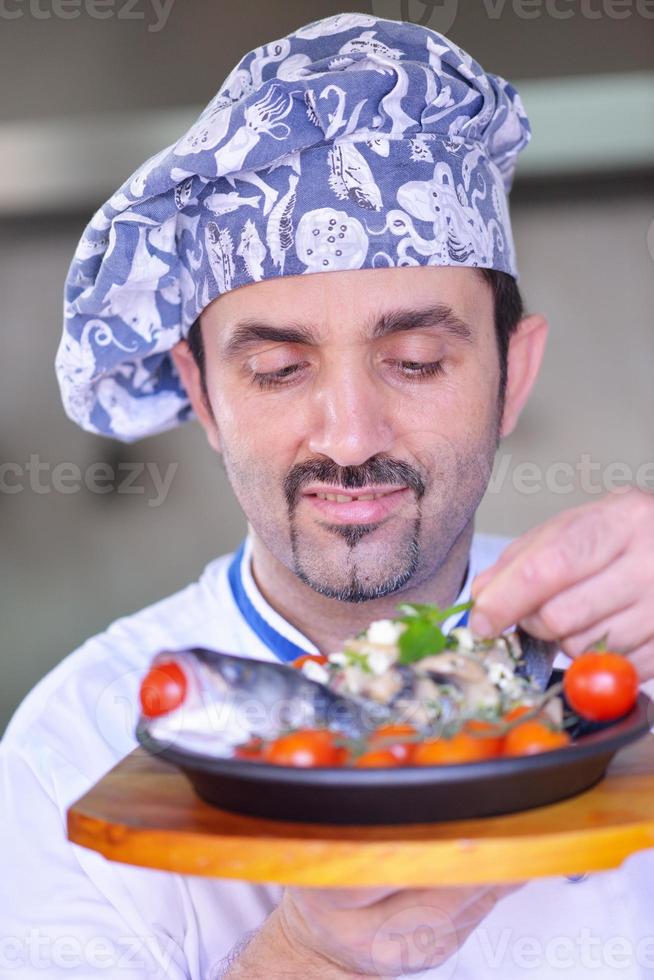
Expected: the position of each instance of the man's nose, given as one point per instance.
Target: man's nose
(349, 420)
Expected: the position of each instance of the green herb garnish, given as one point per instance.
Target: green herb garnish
(356, 659)
(423, 635)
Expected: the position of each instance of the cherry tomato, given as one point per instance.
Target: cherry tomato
(462, 747)
(378, 759)
(601, 686)
(252, 749)
(396, 738)
(304, 749)
(532, 737)
(486, 733)
(514, 713)
(316, 658)
(163, 689)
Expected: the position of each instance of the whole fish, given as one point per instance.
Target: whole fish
(228, 699)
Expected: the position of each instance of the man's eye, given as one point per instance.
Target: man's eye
(275, 379)
(420, 369)
(415, 370)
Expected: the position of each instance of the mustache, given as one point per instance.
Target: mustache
(376, 470)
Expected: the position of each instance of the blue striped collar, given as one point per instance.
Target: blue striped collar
(276, 633)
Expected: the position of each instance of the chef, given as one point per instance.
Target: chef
(321, 272)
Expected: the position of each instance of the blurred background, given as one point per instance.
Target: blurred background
(90, 88)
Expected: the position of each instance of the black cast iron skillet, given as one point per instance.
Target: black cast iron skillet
(407, 795)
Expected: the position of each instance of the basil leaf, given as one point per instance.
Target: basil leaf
(430, 612)
(422, 635)
(462, 607)
(420, 639)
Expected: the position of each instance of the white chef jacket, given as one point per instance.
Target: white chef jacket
(65, 911)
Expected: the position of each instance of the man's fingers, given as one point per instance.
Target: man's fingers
(343, 898)
(643, 660)
(625, 632)
(547, 531)
(588, 544)
(586, 605)
(512, 551)
(486, 896)
(478, 908)
(454, 899)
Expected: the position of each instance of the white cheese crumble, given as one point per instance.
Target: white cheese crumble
(355, 679)
(385, 632)
(487, 699)
(379, 661)
(463, 637)
(500, 675)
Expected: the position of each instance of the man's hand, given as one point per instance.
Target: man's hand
(583, 575)
(386, 932)
(341, 934)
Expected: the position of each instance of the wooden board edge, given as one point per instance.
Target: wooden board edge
(329, 863)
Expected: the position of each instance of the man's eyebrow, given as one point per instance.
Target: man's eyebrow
(250, 332)
(440, 315)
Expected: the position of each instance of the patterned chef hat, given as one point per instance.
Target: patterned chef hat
(355, 142)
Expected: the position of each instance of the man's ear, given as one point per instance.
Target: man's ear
(526, 348)
(189, 372)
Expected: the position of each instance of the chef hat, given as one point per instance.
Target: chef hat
(355, 142)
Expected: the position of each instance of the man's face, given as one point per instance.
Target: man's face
(377, 384)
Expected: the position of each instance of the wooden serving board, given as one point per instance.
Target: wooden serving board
(144, 812)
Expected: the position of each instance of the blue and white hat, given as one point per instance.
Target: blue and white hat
(353, 143)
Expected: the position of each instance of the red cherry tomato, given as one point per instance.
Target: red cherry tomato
(163, 689)
(514, 713)
(252, 749)
(304, 749)
(398, 738)
(486, 732)
(378, 759)
(601, 686)
(316, 658)
(462, 747)
(532, 737)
